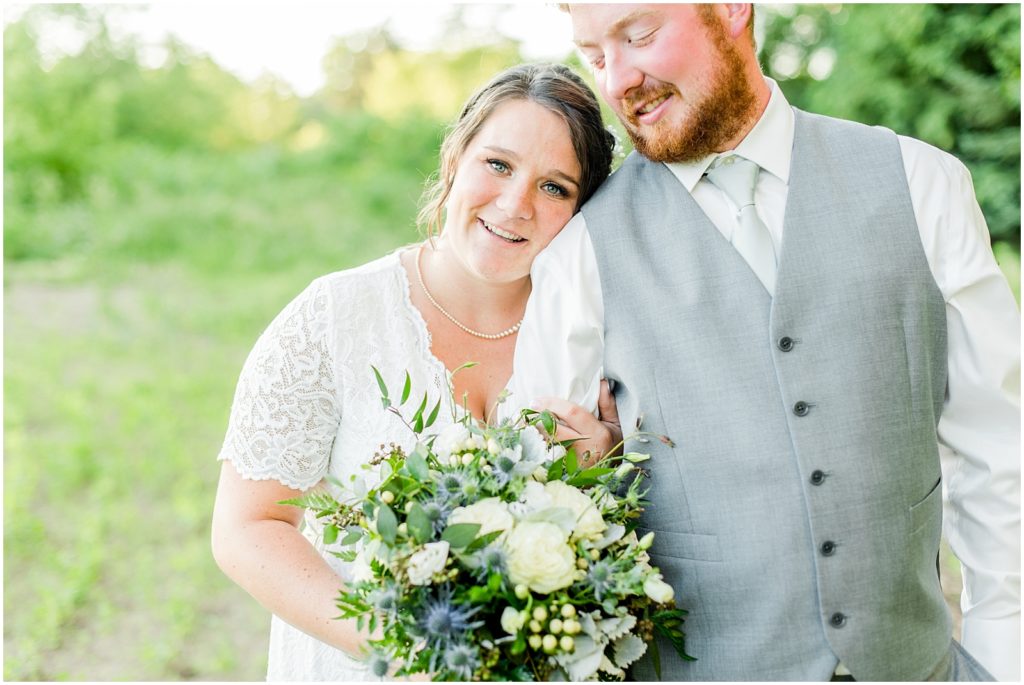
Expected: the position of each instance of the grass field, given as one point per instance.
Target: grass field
(120, 365)
(120, 362)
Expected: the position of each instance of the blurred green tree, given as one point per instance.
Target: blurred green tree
(948, 74)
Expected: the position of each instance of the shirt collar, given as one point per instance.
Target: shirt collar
(769, 143)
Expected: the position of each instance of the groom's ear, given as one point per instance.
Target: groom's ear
(739, 18)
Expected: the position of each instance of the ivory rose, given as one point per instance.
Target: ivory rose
(491, 513)
(589, 524)
(539, 557)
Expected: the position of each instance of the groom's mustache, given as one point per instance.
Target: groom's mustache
(636, 99)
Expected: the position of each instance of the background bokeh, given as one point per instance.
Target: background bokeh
(156, 217)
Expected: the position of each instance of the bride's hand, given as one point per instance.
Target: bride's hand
(596, 435)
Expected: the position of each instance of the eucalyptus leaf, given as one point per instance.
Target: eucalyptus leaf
(387, 523)
(419, 524)
(417, 466)
(458, 535)
(352, 537)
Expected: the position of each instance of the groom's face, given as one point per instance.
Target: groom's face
(670, 72)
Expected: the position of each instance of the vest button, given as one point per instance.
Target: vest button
(801, 408)
(828, 548)
(817, 477)
(785, 343)
(838, 620)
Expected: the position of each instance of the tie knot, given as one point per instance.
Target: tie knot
(735, 176)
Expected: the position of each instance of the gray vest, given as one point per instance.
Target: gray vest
(798, 514)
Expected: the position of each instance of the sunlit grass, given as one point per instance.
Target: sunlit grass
(120, 364)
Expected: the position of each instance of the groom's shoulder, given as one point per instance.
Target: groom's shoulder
(836, 129)
(634, 174)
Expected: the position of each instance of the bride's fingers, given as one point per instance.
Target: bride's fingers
(576, 422)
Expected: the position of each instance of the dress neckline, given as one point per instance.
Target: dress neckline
(424, 339)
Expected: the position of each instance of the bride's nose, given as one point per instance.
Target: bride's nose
(516, 200)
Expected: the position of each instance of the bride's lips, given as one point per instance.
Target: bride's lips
(502, 233)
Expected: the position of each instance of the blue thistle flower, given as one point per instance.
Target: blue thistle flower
(444, 624)
(504, 467)
(490, 559)
(462, 660)
(601, 577)
(379, 664)
(437, 510)
(449, 488)
(385, 600)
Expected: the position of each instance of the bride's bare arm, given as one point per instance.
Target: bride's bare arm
(257, 543)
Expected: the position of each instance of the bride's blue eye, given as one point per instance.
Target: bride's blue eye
(498, 165)
(555, 189)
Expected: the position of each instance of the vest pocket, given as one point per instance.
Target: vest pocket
(925, 510)
(684, 545)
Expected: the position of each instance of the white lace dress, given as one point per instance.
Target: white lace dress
(307, 405)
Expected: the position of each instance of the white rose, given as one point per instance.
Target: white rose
(657, 589)
(449, 440)
(512, 620)
(589, 524)
(492, 514)
(535, 497)
(539, 557)
(426, 562)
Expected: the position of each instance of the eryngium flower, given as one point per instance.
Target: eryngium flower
(462, 660)
(385, 600)
(490, 559)
(444, 624)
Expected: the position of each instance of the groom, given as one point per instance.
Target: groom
(810, 309)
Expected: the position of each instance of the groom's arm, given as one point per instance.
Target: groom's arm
(979, 431)
(560, 346)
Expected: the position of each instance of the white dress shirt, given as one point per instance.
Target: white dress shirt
(979, 431)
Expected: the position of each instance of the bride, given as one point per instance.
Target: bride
(527, 150)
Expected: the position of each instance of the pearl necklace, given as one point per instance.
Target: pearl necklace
(487, 336)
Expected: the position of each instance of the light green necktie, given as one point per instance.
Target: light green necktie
(736, 177)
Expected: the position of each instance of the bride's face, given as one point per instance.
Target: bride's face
(515, 187)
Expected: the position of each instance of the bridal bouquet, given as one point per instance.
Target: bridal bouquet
(489, 553)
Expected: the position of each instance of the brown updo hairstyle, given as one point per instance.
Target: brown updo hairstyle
(552, 86)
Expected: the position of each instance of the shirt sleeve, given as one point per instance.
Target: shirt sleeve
(560, 346)
(979, 431)
(286, 413)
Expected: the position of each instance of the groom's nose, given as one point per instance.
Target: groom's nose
(620, 76)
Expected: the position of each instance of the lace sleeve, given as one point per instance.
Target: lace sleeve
(286, 410)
